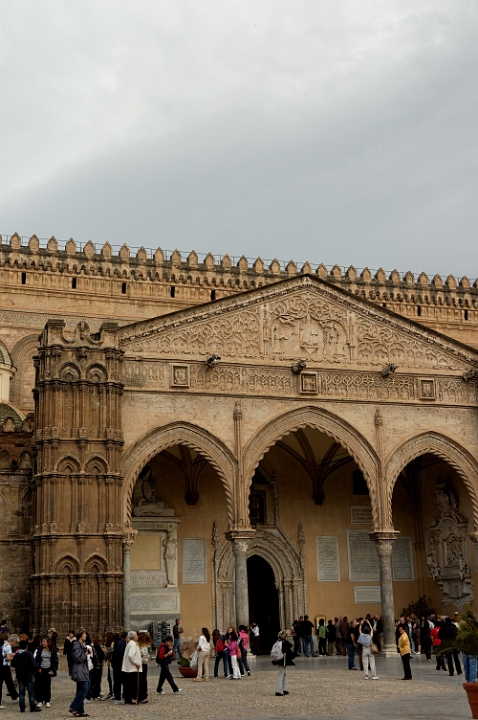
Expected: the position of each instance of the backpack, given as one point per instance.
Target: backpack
(276, 653)
(219, 645)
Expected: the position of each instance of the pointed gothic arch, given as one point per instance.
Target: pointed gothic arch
(331, 425)
(288, 566)
(179, 433)
(443, 447)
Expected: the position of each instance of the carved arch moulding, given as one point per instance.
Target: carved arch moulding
(179, 433)
(331, 425)
(448, 450)
(288, 567)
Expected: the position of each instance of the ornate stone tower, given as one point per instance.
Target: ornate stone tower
(78, 441)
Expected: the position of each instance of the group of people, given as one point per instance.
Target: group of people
(333, 638)
(232, 648)
(35, 662)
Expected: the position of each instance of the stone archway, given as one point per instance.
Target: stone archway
(334, 427)
(288, 565)
(448, 450)
(178, 433)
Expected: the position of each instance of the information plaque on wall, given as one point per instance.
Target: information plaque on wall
(360, 514)
(194, 561)
(367, 595)
(402, 559)
(363, 558)
(327, 552)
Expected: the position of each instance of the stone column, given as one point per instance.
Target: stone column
(240, 541)
(128, 540)
(384, 542)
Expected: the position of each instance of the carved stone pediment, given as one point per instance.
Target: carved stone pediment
(303, 317)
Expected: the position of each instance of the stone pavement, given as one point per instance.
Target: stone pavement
(319, 688)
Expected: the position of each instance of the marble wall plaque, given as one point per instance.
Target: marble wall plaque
(365, 595)
(402, 559)
(327, 552)
(360, 515)
(363, 558)
(194, 561)
(150, 579)
(154, 602)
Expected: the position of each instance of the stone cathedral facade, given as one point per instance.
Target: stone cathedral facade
(224, 442)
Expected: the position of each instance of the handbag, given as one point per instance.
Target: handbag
(374, 648)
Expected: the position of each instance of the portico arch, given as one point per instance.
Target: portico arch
(274, 546)
(443, 447)
(334, 427)
(178, 433)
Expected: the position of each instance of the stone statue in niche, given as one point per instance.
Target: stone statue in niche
(144, 499)
(170, 554)
(447, 555)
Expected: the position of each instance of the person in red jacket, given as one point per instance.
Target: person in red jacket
(164, 658)
(436, 642)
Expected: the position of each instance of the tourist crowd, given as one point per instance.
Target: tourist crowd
(125, 656)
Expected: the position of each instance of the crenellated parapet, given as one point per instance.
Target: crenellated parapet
(143, 283)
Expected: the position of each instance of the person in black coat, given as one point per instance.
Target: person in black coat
(117, 662)
(25, 669)
(447, 634)
(287, 659)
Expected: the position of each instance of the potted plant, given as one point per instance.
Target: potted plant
(184, 667)
(466, 642)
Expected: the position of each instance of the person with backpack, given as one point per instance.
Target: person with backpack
(163, 658)
(221, 653)
(282, 655)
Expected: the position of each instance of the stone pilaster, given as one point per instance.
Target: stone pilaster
(384, 541)
(240, 541)
(128, 540)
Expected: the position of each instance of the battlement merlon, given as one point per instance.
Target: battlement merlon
(238, 277)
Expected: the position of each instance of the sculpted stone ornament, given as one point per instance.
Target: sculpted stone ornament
(446, 558)
(144, 498)
(170, 554)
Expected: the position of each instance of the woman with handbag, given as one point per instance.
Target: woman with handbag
(204, 648)
(368, 656)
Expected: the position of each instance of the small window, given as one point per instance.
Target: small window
(384, 305)
(213, 294)
(73, 283)
(123, 288)
(24, 278)
(172, 291)
(359, 483)
(465, 314)
(419, 310)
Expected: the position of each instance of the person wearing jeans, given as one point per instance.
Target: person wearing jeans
(25, 668)
(470, 666)
(351, 646)
(79, 674)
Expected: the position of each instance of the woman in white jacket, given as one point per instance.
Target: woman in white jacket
(204, 648)
(130, 668)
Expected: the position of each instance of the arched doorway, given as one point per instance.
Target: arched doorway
(263, 600)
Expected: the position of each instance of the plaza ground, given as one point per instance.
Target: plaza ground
(319, 688)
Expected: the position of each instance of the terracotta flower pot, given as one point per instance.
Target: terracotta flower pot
(471, 690)
(188, 672)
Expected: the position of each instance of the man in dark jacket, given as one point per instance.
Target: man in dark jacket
(117, 662)
(163, 658)
(67, 646)
(80, 673)
(25, 669)
(447, 634)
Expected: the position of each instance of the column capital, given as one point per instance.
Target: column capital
(384, 540)
(240, 540)
(128, 539)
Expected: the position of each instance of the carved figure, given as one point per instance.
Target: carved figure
(170, 554)
(446, 559)
(144, 497)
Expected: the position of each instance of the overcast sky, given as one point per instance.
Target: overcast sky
(338, 131)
